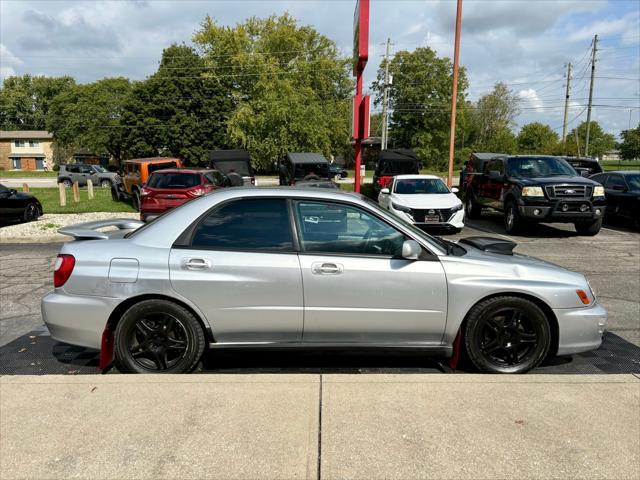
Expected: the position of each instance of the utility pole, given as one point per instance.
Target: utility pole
(454, 93)
(385, 101)
(566, 107)
(593, 71)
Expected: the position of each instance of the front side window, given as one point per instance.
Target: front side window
(335, 228)
(615, 181)
(634, 182)
(251, 224)
(414, 186)
(85, 169)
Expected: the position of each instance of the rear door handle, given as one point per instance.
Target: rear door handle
(321, 268)
(196, 263)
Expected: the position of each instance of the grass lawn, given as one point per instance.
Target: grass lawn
(610, 165)
(101, 201)
(26, 174)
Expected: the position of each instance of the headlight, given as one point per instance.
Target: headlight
(598, 191)
(401, 208)
(457, 208)
(532, 192)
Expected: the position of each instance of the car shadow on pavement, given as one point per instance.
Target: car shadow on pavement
(37, 354)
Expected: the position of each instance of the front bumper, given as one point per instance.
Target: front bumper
(580, 329)
(77, 319)
(565, 210)
(456, 221)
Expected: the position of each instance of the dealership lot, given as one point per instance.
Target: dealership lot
(611, 261)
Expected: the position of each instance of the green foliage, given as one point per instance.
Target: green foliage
(600, 142)
(25, 100)
(630, 145)
(179, 111)
(290, 88)
(537, 138)
(420, 98)
(90, 116)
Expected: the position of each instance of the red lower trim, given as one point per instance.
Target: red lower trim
(453, 361)
(106, 349)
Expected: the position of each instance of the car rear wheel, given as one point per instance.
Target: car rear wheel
(136, 201)
(507, 335)
(105, 183)
(31, 213)
(588, 228)
(158, 336)
(471, 208)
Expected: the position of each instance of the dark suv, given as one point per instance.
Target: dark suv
(531, 189)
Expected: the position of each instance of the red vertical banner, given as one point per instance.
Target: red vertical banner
(360, 57)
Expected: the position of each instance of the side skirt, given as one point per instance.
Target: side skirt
(427, 349)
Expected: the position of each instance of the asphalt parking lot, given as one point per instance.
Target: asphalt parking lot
(611, 261)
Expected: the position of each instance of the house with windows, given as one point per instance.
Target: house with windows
(25, 149)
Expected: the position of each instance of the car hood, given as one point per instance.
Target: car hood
(427, 200)
(24, 196)
(565, 179)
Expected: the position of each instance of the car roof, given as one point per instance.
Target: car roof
(152, 160)
(183, 170)
(417, 177)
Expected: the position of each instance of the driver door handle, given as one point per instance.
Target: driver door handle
(196, 263)
(322, 268)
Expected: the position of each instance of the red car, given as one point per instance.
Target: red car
(170, 188)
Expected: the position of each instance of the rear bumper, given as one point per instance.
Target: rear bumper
(580, 329)
(77, 319)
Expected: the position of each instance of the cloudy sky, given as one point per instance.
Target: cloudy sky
(525, 43)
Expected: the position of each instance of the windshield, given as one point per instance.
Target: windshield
(634, 182)
(173, 180)
(420, 185)
(99, 169)
(539, 167)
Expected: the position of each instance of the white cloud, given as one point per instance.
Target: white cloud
(530, 99)
(605, 28)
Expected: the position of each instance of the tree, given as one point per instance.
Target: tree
(420, 100)
(600, 142)
(90, 116)
(289, 87)
(537, 138)
(491, 116)
(630, 145)
(25, 100)
(178, 111)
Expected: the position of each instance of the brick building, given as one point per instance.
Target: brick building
(25, 149)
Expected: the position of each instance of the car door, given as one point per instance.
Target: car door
(9, 205)
(84, 174)
(357, 287)
(614, 188)
(241, 269)
(94, 175)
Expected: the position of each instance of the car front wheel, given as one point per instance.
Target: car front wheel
(158, 336)
(31, 213)
(507, 335)
(588, 228)
(105, 183)
(471, 208)
(513, 221)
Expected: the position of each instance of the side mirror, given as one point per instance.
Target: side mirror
(411, 250)
(495, 175)
(385, 191)
(454, 190)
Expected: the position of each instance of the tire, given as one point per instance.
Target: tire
(135, 200)
(158, 336)
(67, 183)
(105, 183)
(30, 213)
(513, 221)
(471, 208)
(589, 229)
(507, 335)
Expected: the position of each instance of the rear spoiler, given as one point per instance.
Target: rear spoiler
(491, 245)
(89, 230)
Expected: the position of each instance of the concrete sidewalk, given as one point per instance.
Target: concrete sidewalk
(327, 426)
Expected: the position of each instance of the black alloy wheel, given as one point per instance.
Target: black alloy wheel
(30, 213)
(471, 209)
(507, 335)
(105, 184)
(158, 336)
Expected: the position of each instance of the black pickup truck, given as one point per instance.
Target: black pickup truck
(531, 189)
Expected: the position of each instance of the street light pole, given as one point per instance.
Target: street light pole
(454, 95)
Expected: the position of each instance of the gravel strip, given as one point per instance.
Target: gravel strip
(45, 228)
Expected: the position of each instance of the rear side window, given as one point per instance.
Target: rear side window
(251, 224)
(615, 181)
(161, 166)
(173, 180)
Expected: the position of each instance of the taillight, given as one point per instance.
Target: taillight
(62, 269)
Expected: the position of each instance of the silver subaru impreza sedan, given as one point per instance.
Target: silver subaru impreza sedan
(271, 267)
